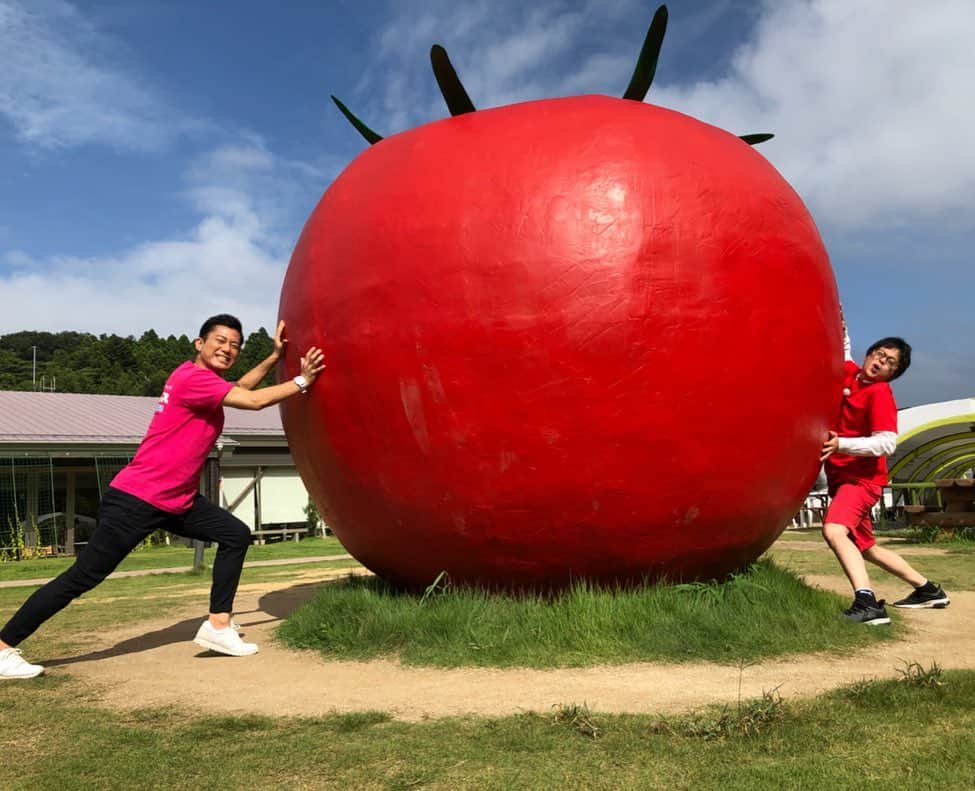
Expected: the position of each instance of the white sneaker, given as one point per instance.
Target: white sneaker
(13, 665)
(223, 641)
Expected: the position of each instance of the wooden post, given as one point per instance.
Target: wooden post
(30, 523)
(69, 507)
(257, 498)
(211, 490)
(198, 547)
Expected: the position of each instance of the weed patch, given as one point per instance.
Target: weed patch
(353, 721)
(916, 675)
(575, 717)
(748, 718)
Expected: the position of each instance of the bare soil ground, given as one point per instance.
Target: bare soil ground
(153, 663)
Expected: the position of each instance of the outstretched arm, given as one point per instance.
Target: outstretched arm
(244, 396)
(256, 375)
(879, 443)
(847, 346)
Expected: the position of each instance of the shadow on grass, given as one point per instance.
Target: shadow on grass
(279, 604)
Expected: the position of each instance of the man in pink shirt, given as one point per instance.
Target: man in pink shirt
(159, 489)
(855, 457)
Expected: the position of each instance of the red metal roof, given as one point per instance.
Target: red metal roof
(56, 418)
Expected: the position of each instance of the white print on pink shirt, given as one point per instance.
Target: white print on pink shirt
(163, 399)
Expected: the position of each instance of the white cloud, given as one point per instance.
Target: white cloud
(870, 103)
(869, 100)
(222, 265)
(233, 260)
(501, 50)
(60, 84)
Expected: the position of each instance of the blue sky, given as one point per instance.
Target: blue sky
(158, 159)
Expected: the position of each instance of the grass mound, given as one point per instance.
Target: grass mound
(764, 612)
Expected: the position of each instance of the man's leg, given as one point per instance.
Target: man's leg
(894, 564)
(838, 538)
(849, 533)
(123, 522)
(926, 594)
(207, 522)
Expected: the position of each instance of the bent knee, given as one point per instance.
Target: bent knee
(233, 534)
(833, 531)
(240, 536)
(872, 552)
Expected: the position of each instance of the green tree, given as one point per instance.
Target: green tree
(112, 364)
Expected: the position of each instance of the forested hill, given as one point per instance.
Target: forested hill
(78, 362)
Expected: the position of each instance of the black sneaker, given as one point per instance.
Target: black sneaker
(870, 614)
(920, 599)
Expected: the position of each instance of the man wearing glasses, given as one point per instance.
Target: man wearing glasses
(855, 457)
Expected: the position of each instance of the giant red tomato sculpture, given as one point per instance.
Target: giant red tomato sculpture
(575, 338)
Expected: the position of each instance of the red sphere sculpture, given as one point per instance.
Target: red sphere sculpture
(582, 338)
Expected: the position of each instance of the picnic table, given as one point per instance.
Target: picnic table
(958, 501)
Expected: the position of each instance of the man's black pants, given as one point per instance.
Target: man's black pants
(124, 521)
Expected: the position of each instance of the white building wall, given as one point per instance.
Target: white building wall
(283, 495)
(232, 483)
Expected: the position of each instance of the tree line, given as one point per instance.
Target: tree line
(79, 362)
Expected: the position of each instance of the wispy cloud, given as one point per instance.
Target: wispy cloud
(64, 83)
(870, 101)
(233, 259)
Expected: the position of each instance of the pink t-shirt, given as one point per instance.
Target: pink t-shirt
(189, 417)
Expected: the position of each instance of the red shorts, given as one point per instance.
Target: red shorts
(850, 505)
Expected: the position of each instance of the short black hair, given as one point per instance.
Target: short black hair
(221, 320)
(895, 343)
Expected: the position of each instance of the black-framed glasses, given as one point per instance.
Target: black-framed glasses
(885, 359)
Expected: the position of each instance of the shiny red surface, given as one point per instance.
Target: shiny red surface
(582, 337)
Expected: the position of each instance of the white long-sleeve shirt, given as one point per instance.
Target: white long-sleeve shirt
(880, 443)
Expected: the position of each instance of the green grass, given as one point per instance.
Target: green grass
(870, 735)
(911, 732)
(161, 557)
(801, 535)
(952, 565)
(766, 612)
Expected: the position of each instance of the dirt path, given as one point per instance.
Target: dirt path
(154, 664)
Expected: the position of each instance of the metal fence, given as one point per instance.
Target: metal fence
(49, 504)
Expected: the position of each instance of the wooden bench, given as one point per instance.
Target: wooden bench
(919, 515)
(285, 532)
(921, 509)
(958, 496)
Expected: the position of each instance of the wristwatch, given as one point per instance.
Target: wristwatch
(301, 382)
